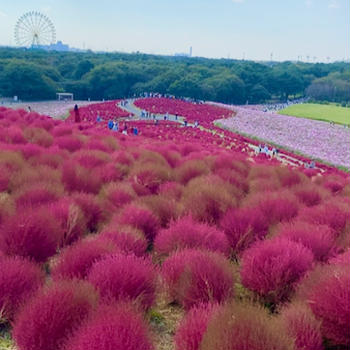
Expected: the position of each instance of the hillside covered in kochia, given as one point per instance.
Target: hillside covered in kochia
(38, 75)
(173, 237)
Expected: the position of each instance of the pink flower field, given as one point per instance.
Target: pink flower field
(315, 139)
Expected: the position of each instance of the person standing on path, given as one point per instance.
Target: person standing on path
(76, 114)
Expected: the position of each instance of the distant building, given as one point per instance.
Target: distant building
(59, 46)
(183, 54)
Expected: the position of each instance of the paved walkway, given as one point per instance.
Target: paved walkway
(136, 112)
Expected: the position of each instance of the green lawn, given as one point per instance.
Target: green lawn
(340, 115)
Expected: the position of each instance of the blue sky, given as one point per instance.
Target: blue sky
(214, 28)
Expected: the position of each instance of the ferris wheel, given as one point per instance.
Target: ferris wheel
(34, 29)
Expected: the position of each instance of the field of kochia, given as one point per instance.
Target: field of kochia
(173, 239)
(329, 113)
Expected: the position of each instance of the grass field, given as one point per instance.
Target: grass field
(339, 115)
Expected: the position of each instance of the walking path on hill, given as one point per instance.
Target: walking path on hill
(137, 112)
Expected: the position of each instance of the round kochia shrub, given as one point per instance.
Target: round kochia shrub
(125, 277)
(127, 239)
(276, 206)
(19, 280)
(242, 227)
(90, 207)
(195, 276)
(309, 194)
(76, 260)
(318, 238)
(117, 327)
(330, 213)
(36, 195)
(49, 319)
(193, 326)
(71, 220)
(245, 326)
(70, 143)
(302, 325)
(78, 178)
(141, 218)
(271, 268)
(165, 209)
(117, 194)
(207, 198)
(187, 233)
(327, 292)
(31, 233)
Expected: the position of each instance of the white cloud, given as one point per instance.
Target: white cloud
(308, 3)
(3, 14)
(333, 4)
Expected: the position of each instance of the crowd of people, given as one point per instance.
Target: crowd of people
(279, 106)
(264, 149)
(159, 95)
(112, 124)
(166, 117)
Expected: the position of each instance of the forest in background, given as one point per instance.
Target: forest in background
(38, 75)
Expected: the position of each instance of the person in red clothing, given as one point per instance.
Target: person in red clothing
(76, 114)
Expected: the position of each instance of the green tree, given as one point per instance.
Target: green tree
(83, 67)
(228, 89)
(259, 94)
(27, 81)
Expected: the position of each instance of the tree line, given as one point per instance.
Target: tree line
(38, 75)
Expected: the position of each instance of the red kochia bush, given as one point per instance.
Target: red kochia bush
(165, 209)
(242, 227)
(129, 240)
(208, 198)
(329, 300)
(171, 189)
(71, 219)
(335, 216)
(193, 326)
(309, 194)
(36, 195)
(117, 327)
(77, 178)
(48, 320)
(245, 326)
(187, 233)
(70, 143)
(31, 233)
(301, 325)
(191, 169)
(194, 276)
(91, 209)
(117, 194)
(318, 238)
(275, 206)
(125, 277)
(140, 218)
(76, 260)
(19, 280)
(271, 268)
